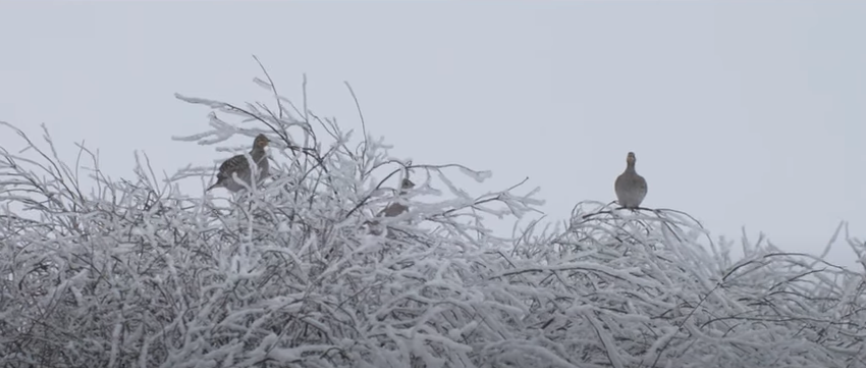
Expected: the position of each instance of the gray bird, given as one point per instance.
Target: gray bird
(238, 165)
(630, 187)
(396, 208)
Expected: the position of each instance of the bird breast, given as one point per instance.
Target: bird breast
(631, 189)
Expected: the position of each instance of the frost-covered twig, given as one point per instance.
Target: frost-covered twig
(135, 273)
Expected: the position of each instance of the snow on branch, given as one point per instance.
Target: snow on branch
(307, 270)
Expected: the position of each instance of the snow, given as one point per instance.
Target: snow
(286, 274)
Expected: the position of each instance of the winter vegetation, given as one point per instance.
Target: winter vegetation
(302, 272)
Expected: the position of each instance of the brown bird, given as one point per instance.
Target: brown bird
(630, 187)
(238, 165)
(396, 208)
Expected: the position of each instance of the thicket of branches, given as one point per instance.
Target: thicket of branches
(96, 272)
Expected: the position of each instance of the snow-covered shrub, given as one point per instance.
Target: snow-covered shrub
(134, 273)
(617, 289)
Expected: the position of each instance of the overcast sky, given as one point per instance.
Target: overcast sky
(743, 114)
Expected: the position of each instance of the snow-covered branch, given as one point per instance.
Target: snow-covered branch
(306, 271)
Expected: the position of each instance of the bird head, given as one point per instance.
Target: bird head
(407, 184)
(261, 141)
(630, 159)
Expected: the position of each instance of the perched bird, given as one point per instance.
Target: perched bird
(396, 208)
(238, 165)
(630, 187)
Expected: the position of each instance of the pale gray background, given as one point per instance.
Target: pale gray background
(745, 114)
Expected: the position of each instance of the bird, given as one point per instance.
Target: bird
(397, 208)
(630, 187)
(238, 165)
(392, 210)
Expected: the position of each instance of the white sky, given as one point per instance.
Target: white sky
(741, 114)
